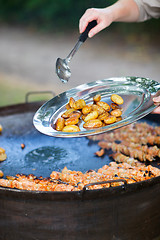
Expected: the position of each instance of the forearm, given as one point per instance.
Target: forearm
(121, 11)
(125, 11)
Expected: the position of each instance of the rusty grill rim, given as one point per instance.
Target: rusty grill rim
(85, 193)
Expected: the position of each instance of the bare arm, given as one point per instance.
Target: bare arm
(121, 11)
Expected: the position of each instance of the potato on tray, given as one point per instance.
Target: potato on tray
(117, 99)
(95, 115)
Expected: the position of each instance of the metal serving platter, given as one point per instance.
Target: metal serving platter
(137, 93)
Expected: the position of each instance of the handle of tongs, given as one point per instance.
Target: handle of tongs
(84, 35)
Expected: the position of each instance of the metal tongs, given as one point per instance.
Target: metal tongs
(62, 69)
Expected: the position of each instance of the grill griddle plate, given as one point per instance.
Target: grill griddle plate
(43, 154)
(137, 94)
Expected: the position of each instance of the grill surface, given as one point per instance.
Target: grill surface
(43, 154)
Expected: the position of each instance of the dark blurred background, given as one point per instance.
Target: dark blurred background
(58, 15)
(34, 33)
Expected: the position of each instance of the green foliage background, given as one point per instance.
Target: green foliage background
(51, 15)
(46, 13)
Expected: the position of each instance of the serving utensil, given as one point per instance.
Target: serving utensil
(62, 69)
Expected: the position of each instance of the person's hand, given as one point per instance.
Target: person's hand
(103, 16)
(157, 102)
(121, 11)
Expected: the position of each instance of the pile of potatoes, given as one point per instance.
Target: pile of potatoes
(94, 115)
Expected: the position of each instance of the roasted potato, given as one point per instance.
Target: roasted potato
(103, 116)
(97, 108)
(59, 125)
(115, 106)
(91, 115)
(116, 112)
(110, 119)
(118, 119)
(71, 102)
(79, 104)
(67, 113)
(76, 114)
(71, 121)
(94, 115)
(104, 105)
(87, 109)
(71, 128)
(103, 124)
(83, 116)
(117, 99)
(68, 106)
(97, 98)
(94, 123)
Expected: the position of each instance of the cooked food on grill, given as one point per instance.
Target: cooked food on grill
(137, 144)
(120, 157)
(22, 145)
(100, 153)
(3, 155)
(138, 141)
(1, 174)
(68, 180)
(94, 115)
(1, 128)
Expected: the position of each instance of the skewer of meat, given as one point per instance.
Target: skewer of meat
(132, 151)
(71, 178)
(121, 158)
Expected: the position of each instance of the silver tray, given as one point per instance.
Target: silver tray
(137, 93)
